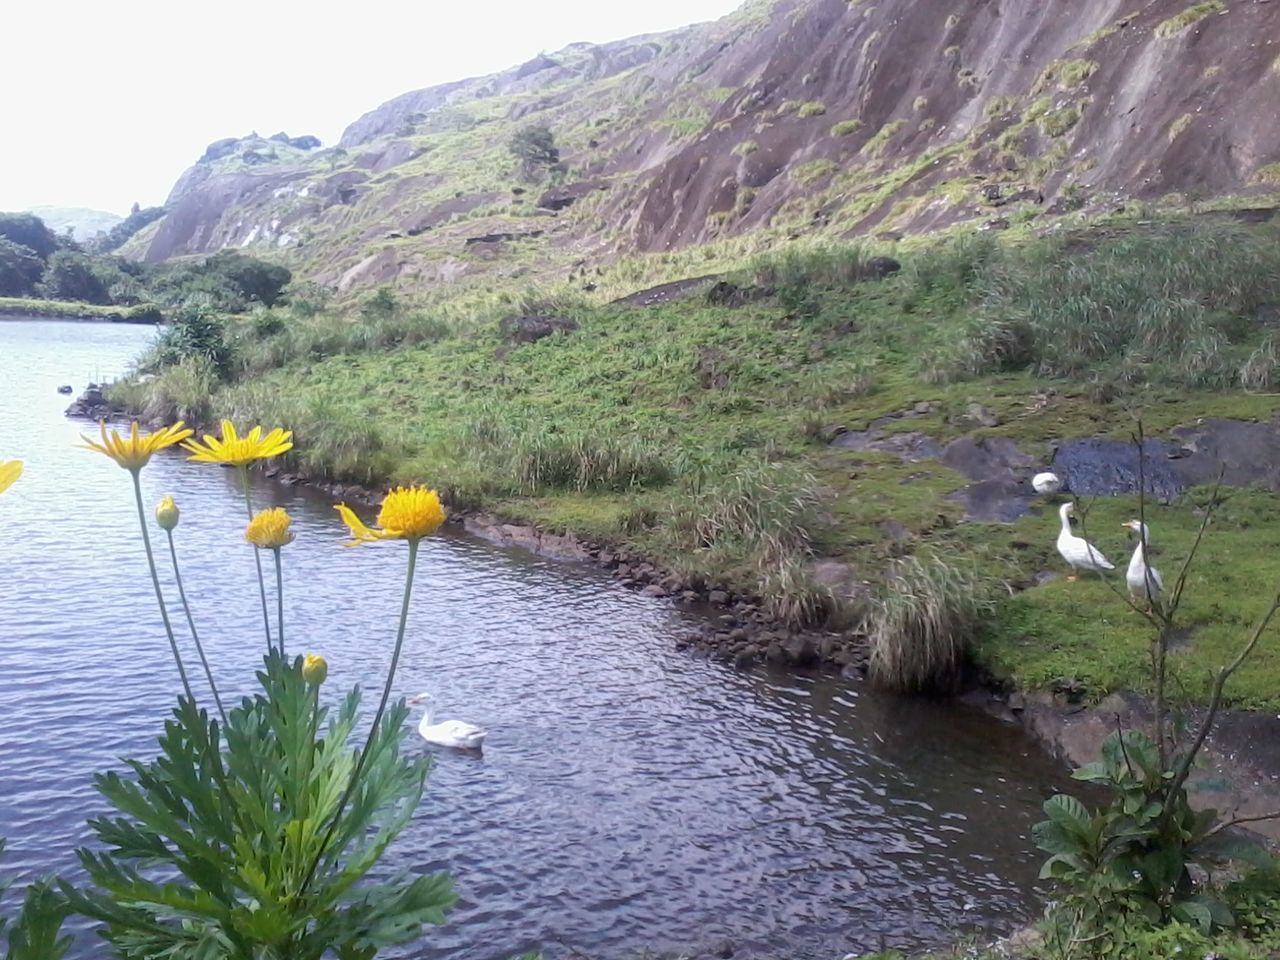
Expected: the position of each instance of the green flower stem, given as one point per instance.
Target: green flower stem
(257, 559)
(155, 582)
(186, 608)
(279, 601)
(377, 717)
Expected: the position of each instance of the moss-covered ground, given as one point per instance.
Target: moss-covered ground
(699, 432)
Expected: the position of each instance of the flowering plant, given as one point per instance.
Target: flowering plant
(252, 835)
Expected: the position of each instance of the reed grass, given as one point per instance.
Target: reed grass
(922, 622)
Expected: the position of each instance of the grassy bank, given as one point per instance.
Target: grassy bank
(22, 308)
(698, 431)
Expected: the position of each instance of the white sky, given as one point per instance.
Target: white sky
(104, 102)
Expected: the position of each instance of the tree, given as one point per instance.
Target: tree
(536, 149)
(20, 269)
(29, 231)
(75, 276)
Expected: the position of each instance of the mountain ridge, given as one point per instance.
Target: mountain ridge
(800, 117)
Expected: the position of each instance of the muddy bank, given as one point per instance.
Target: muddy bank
(1239, 772)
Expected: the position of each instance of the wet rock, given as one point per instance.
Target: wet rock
(775, 653)
(718, 597)
(1097, 467)
(910, 446)
(653, 590)
(802, 652)
(66, 389)
(527, 329)
(92, 404)
(745, 659)
(999, 223)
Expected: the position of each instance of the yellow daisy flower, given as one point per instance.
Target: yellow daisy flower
(269, 529)
(408, 513)
(315, 669)
(239, 451)
(10, 470)
(134, 450)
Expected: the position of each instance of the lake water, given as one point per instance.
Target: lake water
(629, 799)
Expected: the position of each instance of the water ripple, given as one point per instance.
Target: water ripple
(628, 798)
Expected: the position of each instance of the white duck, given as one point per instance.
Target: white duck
(448, 733)
(1077, 551)
(1139, 572)
(1046, 483)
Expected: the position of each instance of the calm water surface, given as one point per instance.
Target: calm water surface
(629, 798)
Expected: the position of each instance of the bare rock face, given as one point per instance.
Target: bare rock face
(811, 114)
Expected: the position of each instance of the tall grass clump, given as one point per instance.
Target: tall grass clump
(922, 621)
(527, 459)
(757, 523)
(1180, 299)
(183, 391)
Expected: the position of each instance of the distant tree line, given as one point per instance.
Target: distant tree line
(37, 263)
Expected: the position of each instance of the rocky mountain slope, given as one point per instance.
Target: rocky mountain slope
(834, 117)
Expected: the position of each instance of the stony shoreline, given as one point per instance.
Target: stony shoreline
(737, 629)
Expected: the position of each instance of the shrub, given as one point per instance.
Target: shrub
(1058, 122)
(845, 127)
(922, 621)
(20, 269)
(1178, 23)
(196, 333)
(812, 108)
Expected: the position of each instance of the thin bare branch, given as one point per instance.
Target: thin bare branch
(1236, 821)
(1215, 703)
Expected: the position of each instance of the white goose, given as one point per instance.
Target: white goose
(1139, 572)
(448, 733)
(1046, 483)
(1077, 551)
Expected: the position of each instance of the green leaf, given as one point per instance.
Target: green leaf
(34, 934)
(1190, 911)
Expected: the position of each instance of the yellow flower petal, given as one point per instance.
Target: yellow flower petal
(269, 529)
(408, 513)
(134, 451)
(10, 471)
(239, 451)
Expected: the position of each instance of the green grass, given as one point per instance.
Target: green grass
(1058, 122)
(880, 140)
(1179, 23)
(811, 108)
(15, 308)
(1063, 75)
(698, 434)
(846, 127)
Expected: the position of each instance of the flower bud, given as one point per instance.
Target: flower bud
(167, 514)
(314, 669)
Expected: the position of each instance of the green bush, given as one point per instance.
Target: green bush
(196, 333)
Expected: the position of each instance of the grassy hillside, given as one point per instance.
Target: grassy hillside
(698, 431)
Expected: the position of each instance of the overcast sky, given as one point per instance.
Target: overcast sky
(105, 103)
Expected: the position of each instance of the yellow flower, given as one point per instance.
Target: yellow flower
(167, 514)
(10, 470)
(408, 513)
(134, 450)
(269, 529)
(240, 451)
(315, 669)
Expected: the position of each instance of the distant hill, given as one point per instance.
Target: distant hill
(84, 223)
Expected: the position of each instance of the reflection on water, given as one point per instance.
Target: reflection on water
(628, 797)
